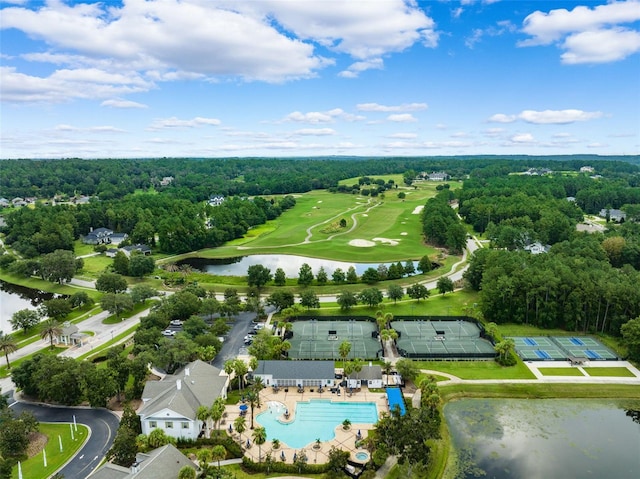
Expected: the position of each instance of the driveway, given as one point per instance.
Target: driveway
(103, 425)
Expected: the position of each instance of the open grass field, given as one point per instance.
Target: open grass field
(560, 372)
(478, 369)
(33, 468)
(390, 225)
(609, 372)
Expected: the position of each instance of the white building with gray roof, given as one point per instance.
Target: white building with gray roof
(284, 373)
(172, 403)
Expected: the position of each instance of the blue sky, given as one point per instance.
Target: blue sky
(216, 78)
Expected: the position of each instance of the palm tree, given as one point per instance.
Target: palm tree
(253, 397)
(216, 412)
(218, 453)
(240, 425)
(387, 367)
(204, 456)
(344, 349)
(7, 346)
(50, 329)
(358, 363)
(203, 414)
(259, 437)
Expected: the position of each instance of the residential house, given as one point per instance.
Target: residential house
(98, 236)
(284, 373)
(216, 200)
(165, 461)
(537, 248)
(140, 248)
(4, 202)
(587, 169)
(439, 176)
(117, 238)
(17, 201)
(172, 403)
(166, 180)
(614, 215)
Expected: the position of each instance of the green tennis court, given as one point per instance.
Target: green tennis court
(321, 339)
(441, 339)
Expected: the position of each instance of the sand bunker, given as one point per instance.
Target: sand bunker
(387, 241)
(360, 243)
(319, 201)
(417, 210)
(404, 233)
(365, 215)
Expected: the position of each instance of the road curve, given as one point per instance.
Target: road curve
(102, 423)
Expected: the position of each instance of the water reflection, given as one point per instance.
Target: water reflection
(290, 264)
(545, 438)
(14, 298)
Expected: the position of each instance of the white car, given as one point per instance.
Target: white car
(176, 322)
(168, 332)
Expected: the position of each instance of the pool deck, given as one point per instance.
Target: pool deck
(345, 440)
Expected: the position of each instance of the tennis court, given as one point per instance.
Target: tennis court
(321, 339)
(440, 339)
(538, 348)
(559, 348)
(585, 347)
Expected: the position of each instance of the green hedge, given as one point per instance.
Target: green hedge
(234, 450)
(283, 467)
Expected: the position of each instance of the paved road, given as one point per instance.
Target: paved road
(103, 425)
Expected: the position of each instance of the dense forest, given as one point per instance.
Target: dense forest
(587, 281)
(198, 179)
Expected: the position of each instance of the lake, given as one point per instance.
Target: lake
(290, 264)
(545, 438)
(14, 298)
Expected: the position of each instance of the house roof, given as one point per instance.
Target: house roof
(296, 369)
(69, 329)
(200, 384)
(165, 461)
(370, 372)
(103, 231)
(137, 247)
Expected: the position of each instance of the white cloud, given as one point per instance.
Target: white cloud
(174, 122)
(168, 40)
(315, 132)
(402, 118)
(497, 30)
(502, 118)
(601, 46)
(118, 103)
(91, 129)
(591, 35)
(63, 85)
(403, 136)
(315, 117)
(559, 117)
(597, 145)
(390, 108)
(522, 138)
(356, 68)
(493, 132)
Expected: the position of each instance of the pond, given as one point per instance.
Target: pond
(290, 264)
(14, 298)
(531, 439)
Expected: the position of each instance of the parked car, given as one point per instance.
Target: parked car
(168, 332)
(176, 322)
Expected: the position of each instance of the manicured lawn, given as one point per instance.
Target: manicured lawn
(81, 249)
(560, 372)
(94, 266)
(33, 468)
(113, 319)
(478, 369)
(610, 372)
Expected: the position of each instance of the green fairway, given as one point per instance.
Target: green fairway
(33, 468)
(390, 226)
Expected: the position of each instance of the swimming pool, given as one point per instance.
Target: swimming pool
(314, 419)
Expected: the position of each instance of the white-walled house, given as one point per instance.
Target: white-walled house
(172, 403)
